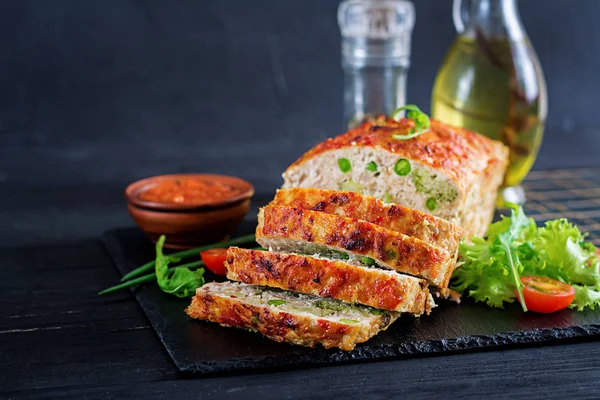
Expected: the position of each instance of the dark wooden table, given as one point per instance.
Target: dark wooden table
(94, 96)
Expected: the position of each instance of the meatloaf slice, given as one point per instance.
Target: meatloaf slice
(288, 317)
(408, 221)
(341, 280)
(449, 172)
(309, 232)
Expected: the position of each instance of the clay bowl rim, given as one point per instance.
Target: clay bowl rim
(133, 190)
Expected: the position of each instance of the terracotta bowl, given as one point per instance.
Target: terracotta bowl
(191, 224)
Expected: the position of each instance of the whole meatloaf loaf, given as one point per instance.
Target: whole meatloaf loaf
(449, 172)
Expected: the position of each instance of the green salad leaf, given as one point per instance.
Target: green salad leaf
(585, 297)
(562, 246)
(514, 247)
(182, 282)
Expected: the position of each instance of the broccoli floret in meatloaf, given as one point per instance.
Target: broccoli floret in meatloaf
(428, 183)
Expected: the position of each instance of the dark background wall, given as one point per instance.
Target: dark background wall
(113, 90)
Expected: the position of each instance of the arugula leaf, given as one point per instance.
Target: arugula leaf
(515, 247)
(510, 240)
(181, 282)
(493, 268)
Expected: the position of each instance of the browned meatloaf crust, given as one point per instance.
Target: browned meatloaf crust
(449, 148)
(329, 278)
(280, 226)
(211, 303)
(408, 221)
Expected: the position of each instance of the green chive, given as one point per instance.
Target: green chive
(147, 278)
(387, 198)
(391, 254)
(372, 166)
(411, 108)
(137, 281)
(191, 253)
(414, 115)
(344, 165)
(342, 255)
(420, 119)
(276, 302)
(402, 167)
(431, 204)
(409, 135)
(367, 261)
(254, 320)
(376, 311)
(349, 321)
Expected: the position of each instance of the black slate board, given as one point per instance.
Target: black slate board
(202, 347)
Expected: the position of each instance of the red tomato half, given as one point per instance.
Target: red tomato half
(214, 259)
(546, 295)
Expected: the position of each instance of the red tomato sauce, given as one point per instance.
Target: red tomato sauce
(188, 191)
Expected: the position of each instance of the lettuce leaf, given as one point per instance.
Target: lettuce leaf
(585, 297)
(492, 267)
(515, 246)
(559, 246)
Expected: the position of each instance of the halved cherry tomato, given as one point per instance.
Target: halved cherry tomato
(546, 295)
(214, 259)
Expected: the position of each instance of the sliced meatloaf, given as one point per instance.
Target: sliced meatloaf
(352, 283)
(288, 317)
(309, 232)
(449, 172)
(408, 221)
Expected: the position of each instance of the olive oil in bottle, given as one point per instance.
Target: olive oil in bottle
(491, 82)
